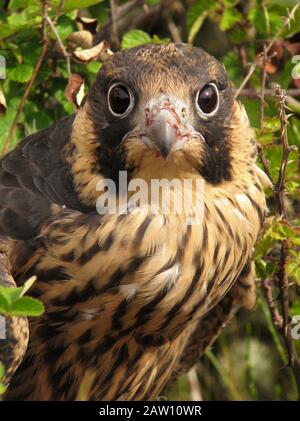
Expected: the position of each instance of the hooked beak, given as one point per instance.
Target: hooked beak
(166, 127)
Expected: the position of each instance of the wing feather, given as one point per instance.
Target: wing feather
(34, 176)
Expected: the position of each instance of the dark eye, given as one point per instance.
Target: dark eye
(120, 99)
(207, 99)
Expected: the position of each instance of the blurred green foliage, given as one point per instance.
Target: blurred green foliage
(249, 360)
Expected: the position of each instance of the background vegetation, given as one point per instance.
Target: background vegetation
(46, 43)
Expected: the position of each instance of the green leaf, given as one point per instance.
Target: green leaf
(21, 73)
(13, 302)
(260, 267)
(281, 231)
(4, 305)
(265, 244)
(229, 18)
(27, 306)
(264, 138)
(65, 27)
(157, 40)
(22, 4)
(2, 389)
(134, 38)
(237, 35)
(196, 15)
(93, 67)
(292, 186)
(233, 67)
(10, 295)
(69, 5)
(1, 371)
(259, 17)
(271, 124)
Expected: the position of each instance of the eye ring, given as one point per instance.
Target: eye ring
(120, 99)
(210, 105)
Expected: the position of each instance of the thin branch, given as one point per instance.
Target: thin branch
(60, 43)
(243, 59)
(276, 317)
(280, 187)
(113, 14)
(260, 148)
(173, 29)
(265, 163)
(252, 93)
(263, 87)
(24, 97)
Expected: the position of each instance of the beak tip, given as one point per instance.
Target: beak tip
(164, 151)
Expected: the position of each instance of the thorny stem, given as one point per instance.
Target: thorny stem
(281, 323)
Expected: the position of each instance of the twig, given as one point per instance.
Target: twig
(276, 317)
(263, 87)
(60, 43)
(25, 96)
(252, 93)
(113, 14)
(173, 29)
(258, 61)
(260, 147)
(243, 58)
(280, 188)
(265, 163)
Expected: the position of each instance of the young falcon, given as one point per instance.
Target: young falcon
(128, 295)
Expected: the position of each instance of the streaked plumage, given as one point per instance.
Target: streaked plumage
(125, 294)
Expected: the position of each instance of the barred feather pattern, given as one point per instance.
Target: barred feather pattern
(120, 322)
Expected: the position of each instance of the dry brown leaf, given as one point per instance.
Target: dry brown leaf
(88, 24)
(99, 52)
(83, 39)
(74, 91)
(3, 105)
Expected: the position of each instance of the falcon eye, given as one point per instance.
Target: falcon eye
(207, 100)
(120, 100)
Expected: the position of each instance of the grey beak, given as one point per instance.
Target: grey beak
(166, 129)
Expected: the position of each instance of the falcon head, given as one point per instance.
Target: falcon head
(157, 110)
